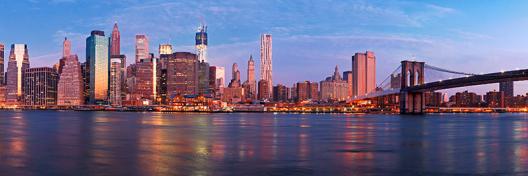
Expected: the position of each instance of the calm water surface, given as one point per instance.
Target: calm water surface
(120, 143)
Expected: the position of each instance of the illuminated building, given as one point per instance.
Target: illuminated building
(115, 42)
(70, 86)
(18, 63)
(347, 76)
(142, 48)
(182, 77)
(266, 62)
(263, 90)
(234, 93)
(495, 99)
(165, 49)
(145, 80)
(364, 73)
(115, 98)
(2, 95)
(306, 90)
(97, 57)
(201, 43)
(235, 76)
(40, 86)
(66, 52)
(334, 88)
(465, 99)
(250, 85)
(433, 99)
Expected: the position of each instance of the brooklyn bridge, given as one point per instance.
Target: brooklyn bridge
(407, 84)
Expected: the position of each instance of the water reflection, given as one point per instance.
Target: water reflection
(106, 143)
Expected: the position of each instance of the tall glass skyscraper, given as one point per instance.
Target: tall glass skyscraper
(97, 57)
(18, 63)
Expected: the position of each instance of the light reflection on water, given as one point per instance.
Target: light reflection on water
(112, 143)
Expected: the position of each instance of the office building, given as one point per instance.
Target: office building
(40, 86)
(70, 86)
(97, 57)
(364, 73)
(16, 68)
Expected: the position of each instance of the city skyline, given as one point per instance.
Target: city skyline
(410, 25)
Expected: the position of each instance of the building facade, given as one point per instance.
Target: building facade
(142, 48)
(251, 83)
(182, 77)
(203, 78)
(263, 90)
(165, 49)
(115, 42)
(334, 88)
(364, 73)
(70, 86)
(266, 61)
(216, 80)
(280, 93)
(115, 98)
(97, 57)
(40, 86)
(16, 68)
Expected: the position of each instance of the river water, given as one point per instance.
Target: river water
(127, 143)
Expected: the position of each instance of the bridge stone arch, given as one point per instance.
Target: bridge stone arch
(412, 75)
(416, 71)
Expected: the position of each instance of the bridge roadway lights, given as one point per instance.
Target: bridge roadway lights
(411, 103)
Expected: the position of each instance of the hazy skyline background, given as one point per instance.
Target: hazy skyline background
(309, 37)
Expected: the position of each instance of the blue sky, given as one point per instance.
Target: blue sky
(309, 37)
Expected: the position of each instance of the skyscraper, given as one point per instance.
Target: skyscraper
(506, 88)
(364, 73)
(115, 42)
(66, 48)
(2, 81)
(251, 83)
(182, 78)
(334, 88)
(235, 76)
(266, 61)
(201, 43)
(216, 80)
(203, 78)
(142, 48)
(70, 86)
(18, 63)
(234, 93)
(165, 49)
(66, 52)
(40, 86)
(145, 82)
(97, 57)
(115, 82)
(347, 76)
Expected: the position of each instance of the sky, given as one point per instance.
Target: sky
(310, 37)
